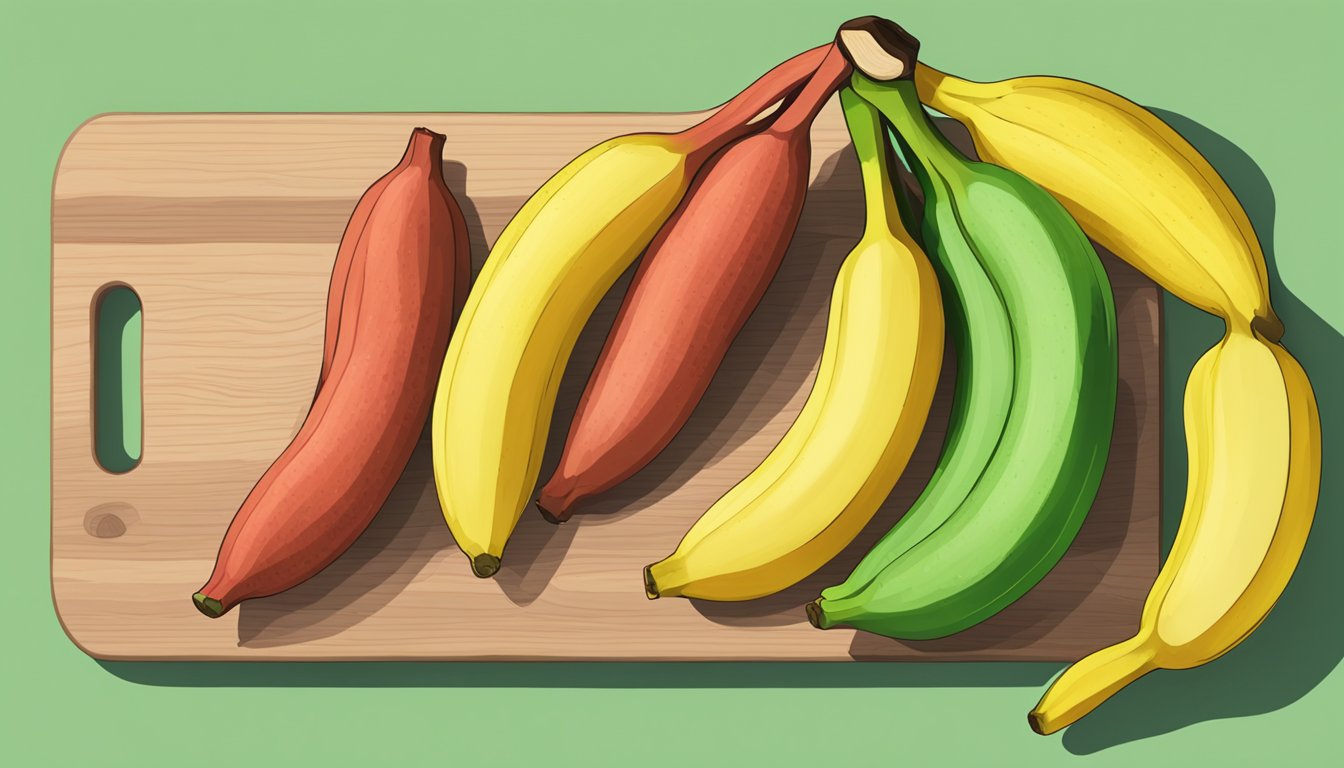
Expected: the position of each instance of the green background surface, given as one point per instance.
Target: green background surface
(1247, 82)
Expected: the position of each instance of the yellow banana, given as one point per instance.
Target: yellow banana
(850, 443)
(1133, 183)
(544, 277)
(1255, 463)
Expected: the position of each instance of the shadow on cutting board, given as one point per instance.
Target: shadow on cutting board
(1303, 638)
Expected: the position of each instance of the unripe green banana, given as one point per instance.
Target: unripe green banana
(1044, 463)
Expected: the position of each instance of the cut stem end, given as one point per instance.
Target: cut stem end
(878, 48)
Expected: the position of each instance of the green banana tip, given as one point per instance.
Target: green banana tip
(208, 605)
(484, 566)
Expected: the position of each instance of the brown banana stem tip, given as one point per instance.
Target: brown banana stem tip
(1034, 720)
(814, 614)
(650, 586)
(485, 566)
(878, 48)
(208, 605)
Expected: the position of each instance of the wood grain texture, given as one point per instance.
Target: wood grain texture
(227, 225)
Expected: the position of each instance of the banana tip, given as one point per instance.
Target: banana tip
(1037, 722)
(650, 586)
(208, 605)
(814, 614)
(485, 566)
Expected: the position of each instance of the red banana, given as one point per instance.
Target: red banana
(701, 277)
(399, 280)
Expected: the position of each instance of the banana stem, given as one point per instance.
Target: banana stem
(799, 115)
(870, 144)
(425, 150)
(1085, 685)
(899, 102)
(734, 119)
(878, 47)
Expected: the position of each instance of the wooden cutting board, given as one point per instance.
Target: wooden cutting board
(226, 226)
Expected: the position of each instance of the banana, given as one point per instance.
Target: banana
(982, 547)
(545, 275)
(1133, 183)
(1255, 461)
(399, 276)
(850, 443)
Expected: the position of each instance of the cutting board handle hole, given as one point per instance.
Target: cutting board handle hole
(118, 346)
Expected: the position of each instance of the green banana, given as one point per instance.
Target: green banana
(977, 545)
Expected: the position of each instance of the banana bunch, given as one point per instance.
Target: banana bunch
(1026, 305)
(840, 459)
(1033, 324)
(1251, 421)
(544, 277)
